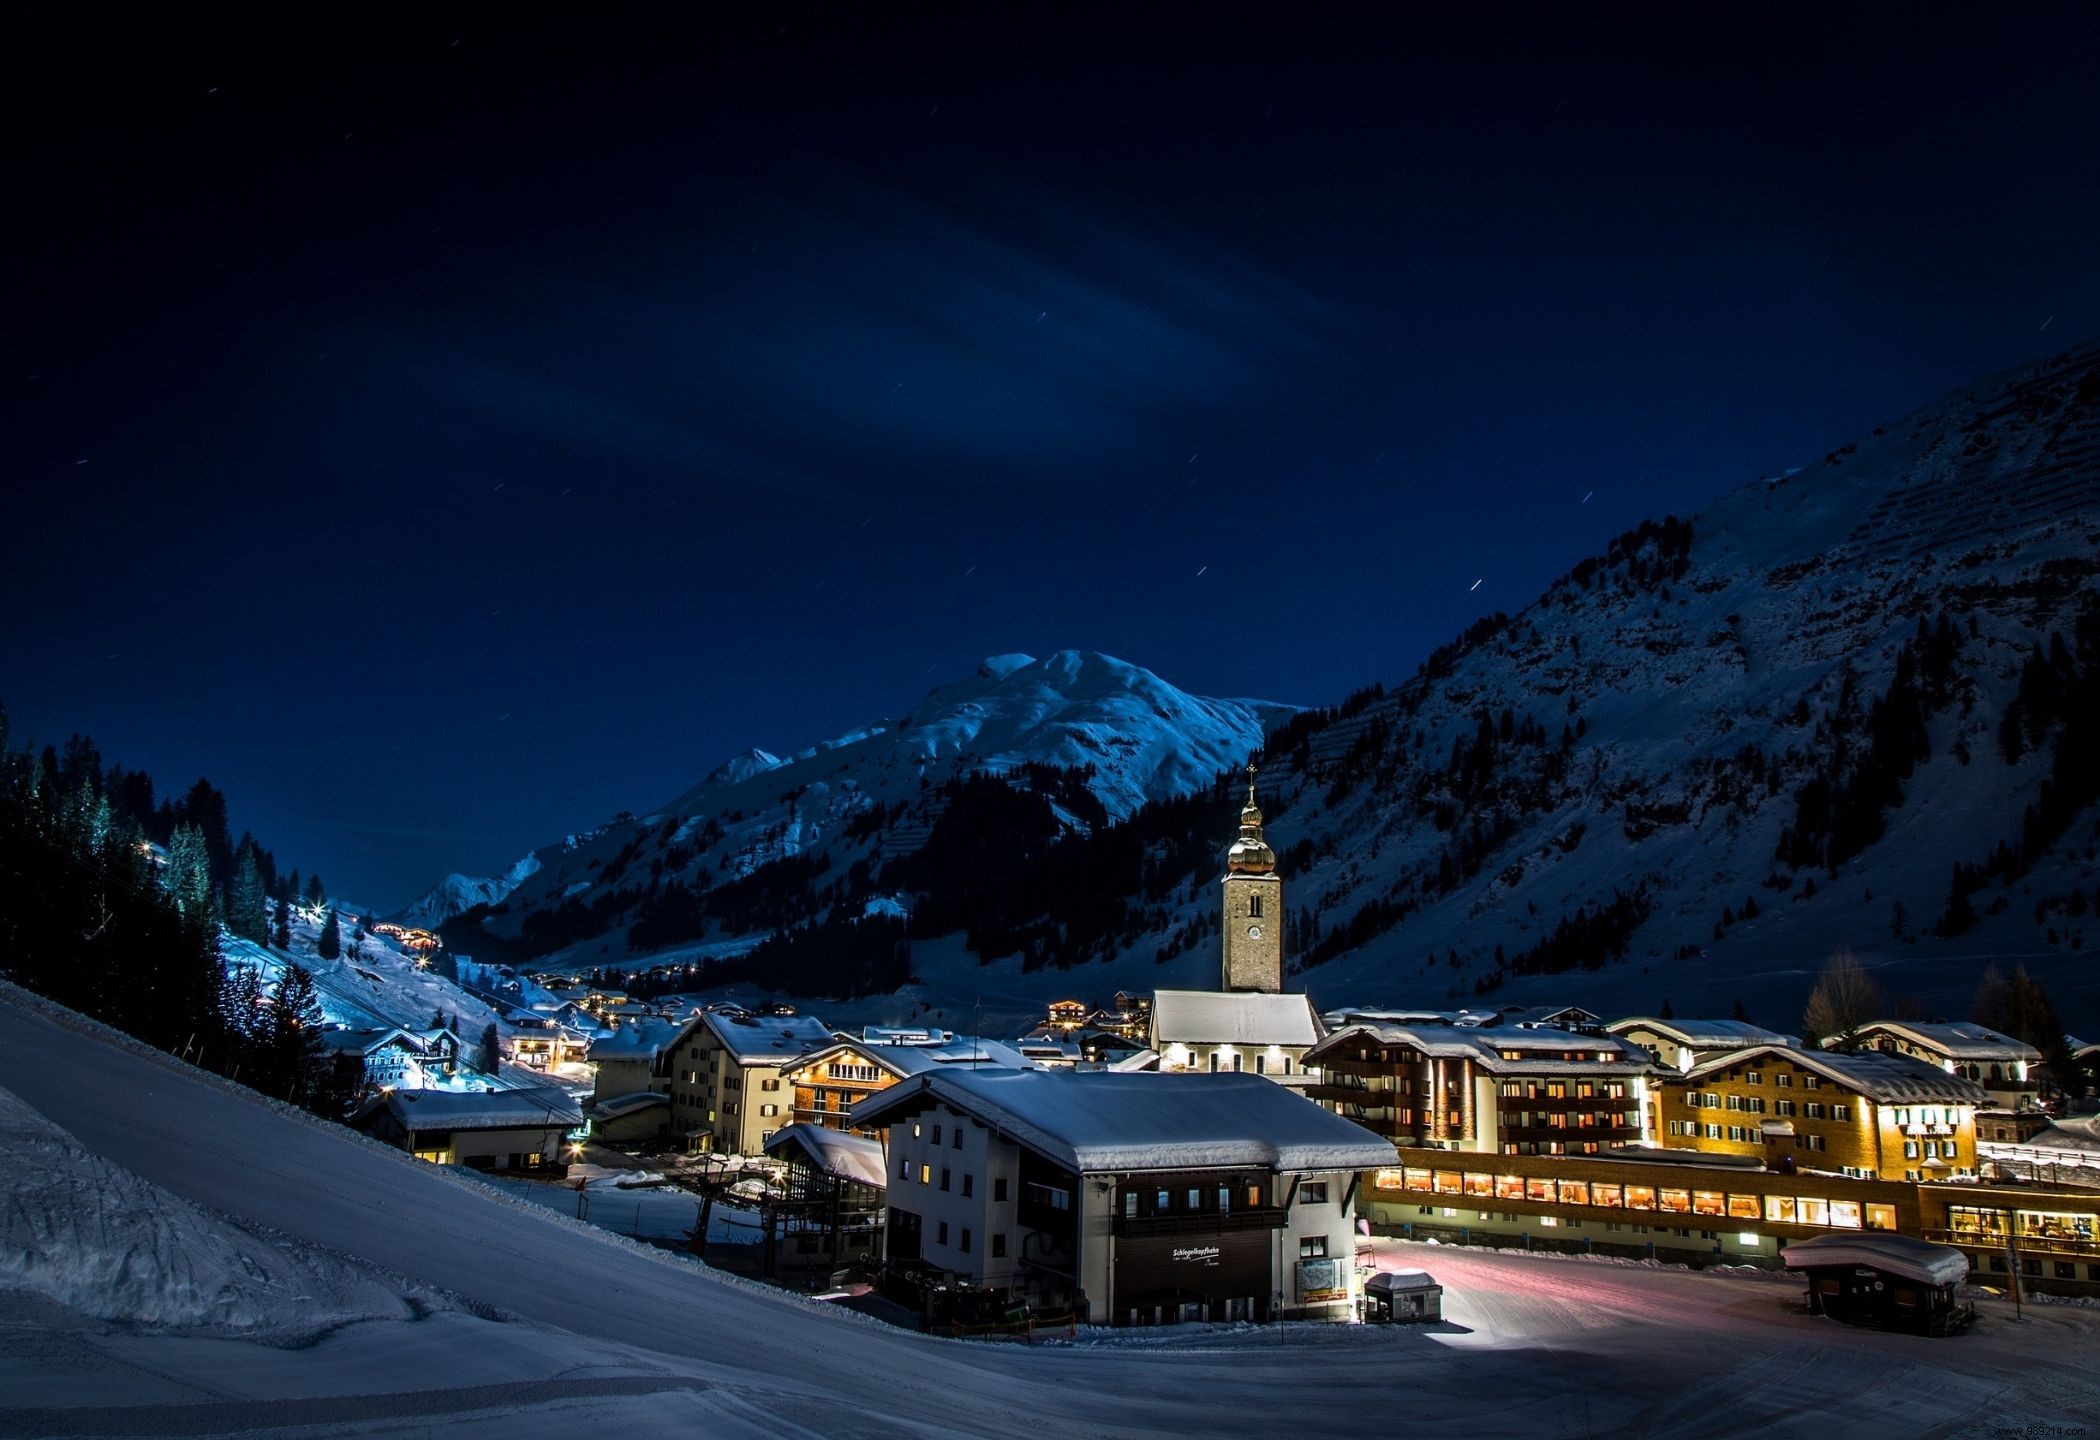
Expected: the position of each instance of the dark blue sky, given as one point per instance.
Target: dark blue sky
(488, 429)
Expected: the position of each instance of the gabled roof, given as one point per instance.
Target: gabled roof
(907, 1060)
(342, 1041)
(1704, 1034)
(1215, 1017)
(1914, 1259)
(2080, 1132)
(1097, 1120)
(1958, 1040)
(642, 1040)
(634, 1102)
(1886, 1079)
(543, 1108)
(855, 1158)
(1539, 1050)
(766, 1039)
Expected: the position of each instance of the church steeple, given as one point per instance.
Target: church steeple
(1253, 902)
(1250, 854)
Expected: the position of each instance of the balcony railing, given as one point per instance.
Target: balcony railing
(2029, 1244)
(1205, 1223)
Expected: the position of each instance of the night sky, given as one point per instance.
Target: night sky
(444, 436)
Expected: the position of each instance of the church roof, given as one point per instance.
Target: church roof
(1212, 1017)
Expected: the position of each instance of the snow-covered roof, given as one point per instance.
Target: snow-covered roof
(632, 1103)
(1880, 1076)
(1500, 1049)
(835, 1152)
(2077, 1133)
(767, 1039)
(1216, 1017)
(544, 1108)
(914, 1058)
(1957, 1040)
(1096, 1120)
(1704, 1034)
(1918, 1260)
(642, 1040)
(344, 1041)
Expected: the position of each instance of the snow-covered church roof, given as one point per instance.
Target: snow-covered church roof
(1215, 1017)
(1096, 1120)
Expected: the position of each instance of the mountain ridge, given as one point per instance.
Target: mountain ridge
(1692, 767)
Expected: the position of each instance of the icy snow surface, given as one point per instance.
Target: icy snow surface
(563, 1328)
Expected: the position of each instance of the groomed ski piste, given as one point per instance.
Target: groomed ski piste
(184, 1258)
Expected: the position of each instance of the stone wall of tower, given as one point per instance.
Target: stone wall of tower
(1254, 933)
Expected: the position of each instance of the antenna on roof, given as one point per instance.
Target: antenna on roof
(976, 1031)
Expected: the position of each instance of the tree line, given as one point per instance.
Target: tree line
(90, 918)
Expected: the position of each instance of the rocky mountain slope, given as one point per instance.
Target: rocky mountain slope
(1853, 705)
(765, 842)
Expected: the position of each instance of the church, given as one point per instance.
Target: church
(1249, 1024)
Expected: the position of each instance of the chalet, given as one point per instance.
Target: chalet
(1681, 1044)
(1517, 1089)
(728, 1091)
(1867, 1113)
(1999, 1063)
(828, 1082)
(393, 1058)
(484, 1130)
(1129, 1198)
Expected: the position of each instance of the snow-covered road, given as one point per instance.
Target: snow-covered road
(545, 1322)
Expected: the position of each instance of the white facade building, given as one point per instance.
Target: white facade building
(1138, 1198)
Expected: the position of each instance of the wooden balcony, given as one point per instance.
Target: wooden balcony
(1201, 1223)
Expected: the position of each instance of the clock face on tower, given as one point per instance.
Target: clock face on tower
(1254, 932)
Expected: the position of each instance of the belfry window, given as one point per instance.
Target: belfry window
(1254, 907)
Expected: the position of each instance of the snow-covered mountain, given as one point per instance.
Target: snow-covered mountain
(457, 894)
(1853, 705)
(1701, 762)
(1107, 736)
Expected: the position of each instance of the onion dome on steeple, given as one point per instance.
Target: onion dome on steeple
(1250, 854)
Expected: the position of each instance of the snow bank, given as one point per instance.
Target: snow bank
(99, 1240)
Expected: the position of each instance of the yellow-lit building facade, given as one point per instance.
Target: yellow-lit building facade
(1867, 1115)
(832, 1081)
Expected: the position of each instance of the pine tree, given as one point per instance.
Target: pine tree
(1739, 1011)
(295, 1035)
(330, 945)
(491, 1049)
(315, 892)
(187, 876)
(1666, 1013)
(282, 938)
(246, 915)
